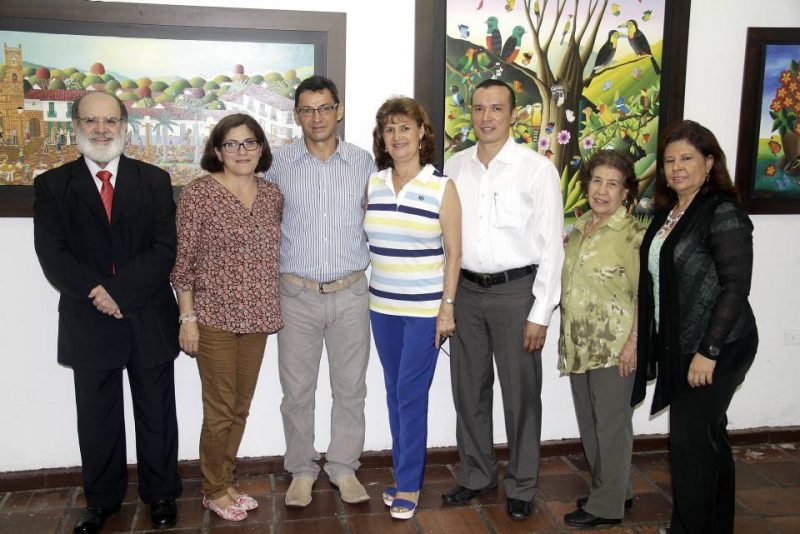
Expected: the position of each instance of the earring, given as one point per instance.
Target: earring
(707, 175)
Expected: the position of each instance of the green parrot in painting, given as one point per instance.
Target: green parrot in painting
(464, 64)
(483, 59)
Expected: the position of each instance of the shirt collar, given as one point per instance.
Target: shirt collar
(424, 175)
(94, 168)
(616, 221)
(506, 154)
(300, 150)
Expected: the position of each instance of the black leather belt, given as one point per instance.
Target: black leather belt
(492, 279)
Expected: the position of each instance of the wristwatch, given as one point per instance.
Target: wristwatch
(449, 300)
(713, 351)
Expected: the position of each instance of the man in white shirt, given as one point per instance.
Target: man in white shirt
(510, 284)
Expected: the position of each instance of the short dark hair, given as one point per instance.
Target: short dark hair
(701, 138)
(492, 82)
(616, 160)
(211, 163)
(316, 83)
(76, 105)
(406, 107)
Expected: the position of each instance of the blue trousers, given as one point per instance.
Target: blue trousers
(405, 347)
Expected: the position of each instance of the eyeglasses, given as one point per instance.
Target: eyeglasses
(92, 122)
(325, 109)
(233, 146)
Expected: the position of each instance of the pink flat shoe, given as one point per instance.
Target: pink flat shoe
(246, 502)
(233, 512)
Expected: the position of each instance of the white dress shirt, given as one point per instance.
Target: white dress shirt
(513, 216)
(111, 167)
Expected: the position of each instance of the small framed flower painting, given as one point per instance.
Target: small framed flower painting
(768, 154)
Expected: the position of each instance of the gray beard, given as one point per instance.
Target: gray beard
(100, 154)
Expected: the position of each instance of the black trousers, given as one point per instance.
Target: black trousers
(701, 459)
(101, 433)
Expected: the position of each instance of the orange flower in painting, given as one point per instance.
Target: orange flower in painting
(781, 92)
(797, 127)
(776, 105)
(770, 170)
(793, 87)
(786, 77)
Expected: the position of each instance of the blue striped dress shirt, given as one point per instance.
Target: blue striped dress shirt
(322, 231)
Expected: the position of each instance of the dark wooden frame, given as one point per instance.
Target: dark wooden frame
(326, 29)
(429, 75)
(750, 109)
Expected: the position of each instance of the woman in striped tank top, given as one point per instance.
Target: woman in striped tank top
(413, 223)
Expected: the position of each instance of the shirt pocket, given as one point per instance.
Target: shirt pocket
(507, 210)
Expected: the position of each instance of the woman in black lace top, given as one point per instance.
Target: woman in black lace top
(697, 332)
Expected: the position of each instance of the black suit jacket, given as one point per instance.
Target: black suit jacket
(131, 257)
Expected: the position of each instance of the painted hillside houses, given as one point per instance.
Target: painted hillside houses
(169, 119)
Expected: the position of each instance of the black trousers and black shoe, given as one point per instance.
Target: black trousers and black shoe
(101, 435)
(701, 459)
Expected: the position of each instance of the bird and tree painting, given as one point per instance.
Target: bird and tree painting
(586, 74)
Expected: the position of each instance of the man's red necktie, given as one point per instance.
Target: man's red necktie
(106, 191)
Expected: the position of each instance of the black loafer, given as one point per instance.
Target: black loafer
(583, 519)
(163, 513)
(460, 494)
(92, 520)
(518, 509)
(581, 502)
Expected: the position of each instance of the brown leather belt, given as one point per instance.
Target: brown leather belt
(324, 287)
(493, 279)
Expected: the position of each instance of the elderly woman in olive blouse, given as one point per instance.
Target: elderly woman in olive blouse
(598, 333)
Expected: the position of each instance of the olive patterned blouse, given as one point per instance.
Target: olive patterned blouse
(599, 284)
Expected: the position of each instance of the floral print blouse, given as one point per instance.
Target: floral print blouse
(599, 284)
(228, 256)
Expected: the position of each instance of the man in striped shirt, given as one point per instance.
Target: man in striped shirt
(323, 288)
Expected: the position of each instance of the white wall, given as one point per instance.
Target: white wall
(36, 395)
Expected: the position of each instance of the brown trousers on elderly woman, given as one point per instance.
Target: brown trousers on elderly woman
(229, 364)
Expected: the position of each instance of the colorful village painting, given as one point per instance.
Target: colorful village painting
(175, 92)
(586, 75)
(777, 161)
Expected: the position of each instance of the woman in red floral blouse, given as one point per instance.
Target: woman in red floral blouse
(226, 279)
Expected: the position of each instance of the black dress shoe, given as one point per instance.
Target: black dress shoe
(92, 520)
(581, 518)
(460, 494)
(518, 509)
(163, 513)
(581, 502)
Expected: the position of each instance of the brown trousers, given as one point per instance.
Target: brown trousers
(229, 364)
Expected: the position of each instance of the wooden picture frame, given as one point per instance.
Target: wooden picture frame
(325, 30)
(768, 152)
(431, 76)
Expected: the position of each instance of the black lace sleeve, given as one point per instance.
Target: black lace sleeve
(731, 243)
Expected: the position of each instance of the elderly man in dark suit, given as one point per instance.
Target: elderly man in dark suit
(104, 231)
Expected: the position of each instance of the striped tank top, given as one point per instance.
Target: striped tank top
(405, 244)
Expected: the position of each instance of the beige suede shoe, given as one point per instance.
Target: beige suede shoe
(299, 493)
(350, 489)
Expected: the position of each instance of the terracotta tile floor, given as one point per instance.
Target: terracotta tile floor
(768, 501)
